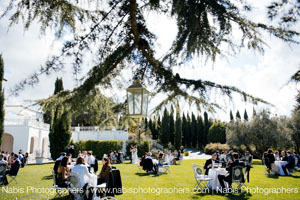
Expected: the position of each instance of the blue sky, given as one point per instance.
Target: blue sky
(260, 75)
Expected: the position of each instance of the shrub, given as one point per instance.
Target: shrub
(213, 147)
(99, 147)
(142, 147)
(216, 133)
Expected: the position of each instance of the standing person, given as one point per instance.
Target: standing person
(134, 155)
(90, 159)
(10, 160)
(72, 151)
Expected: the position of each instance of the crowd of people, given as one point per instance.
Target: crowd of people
(270, 157)
(11, 163)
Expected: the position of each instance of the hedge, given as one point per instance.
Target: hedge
(214, 147)
(142, 147)
(99, 147)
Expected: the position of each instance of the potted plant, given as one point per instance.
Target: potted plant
(39, 157)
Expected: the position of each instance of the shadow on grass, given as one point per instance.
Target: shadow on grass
(273, 176)
(47, 177)
(151, 175)
(241, 196)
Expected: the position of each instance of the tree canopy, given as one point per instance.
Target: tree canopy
(116, 34)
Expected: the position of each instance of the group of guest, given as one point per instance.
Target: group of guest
(116, 157)
(80, 169)
(9, 157)
(231, 160)
(270, 157)
(11, 166)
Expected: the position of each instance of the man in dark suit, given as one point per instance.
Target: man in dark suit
(271, 159)
(291, 163)
(13, 171)
(210, 163)
(228, 178)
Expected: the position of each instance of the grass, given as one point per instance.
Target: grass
(37, 179)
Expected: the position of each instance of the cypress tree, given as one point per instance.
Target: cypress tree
(178, 131)
(165, 132)
(184, 124)
(188, 131)
(60, 133)
(2, 111)
(194, 131)
(206, 128)
(200, 131)
(58, 85)
(231, 116)
(172, 127)
(238, 116)
(246, 115)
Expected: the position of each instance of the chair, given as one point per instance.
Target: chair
(13, 175)
(201, 180)
(75, 188)
(238, 177)
(165, 167)
(33, 196)
(148, 165)
(57, 189)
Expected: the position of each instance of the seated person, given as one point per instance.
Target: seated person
(210, 163)
(148, 164)
(143, 158)
(104, 174)
(13, 170)
(177, 157)
(228, 177)
(270, 160)
(80, 170)
(276, 155)
(290, 165)
(283, 156)
(58, 161)
(62, 173)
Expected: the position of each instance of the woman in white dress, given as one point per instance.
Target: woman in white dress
(134, 155)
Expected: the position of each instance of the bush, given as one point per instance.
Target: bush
(217, 133)
(213, 147)
(98, 147)
(142, 147)
(186, 153)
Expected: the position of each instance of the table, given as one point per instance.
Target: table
(213, 173)
(279, 164)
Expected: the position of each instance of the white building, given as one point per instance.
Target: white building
(24, 129)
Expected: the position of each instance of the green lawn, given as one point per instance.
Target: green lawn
(37, 179)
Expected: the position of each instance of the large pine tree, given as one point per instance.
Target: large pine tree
(2, 112)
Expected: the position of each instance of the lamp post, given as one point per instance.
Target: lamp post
(137, 99)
